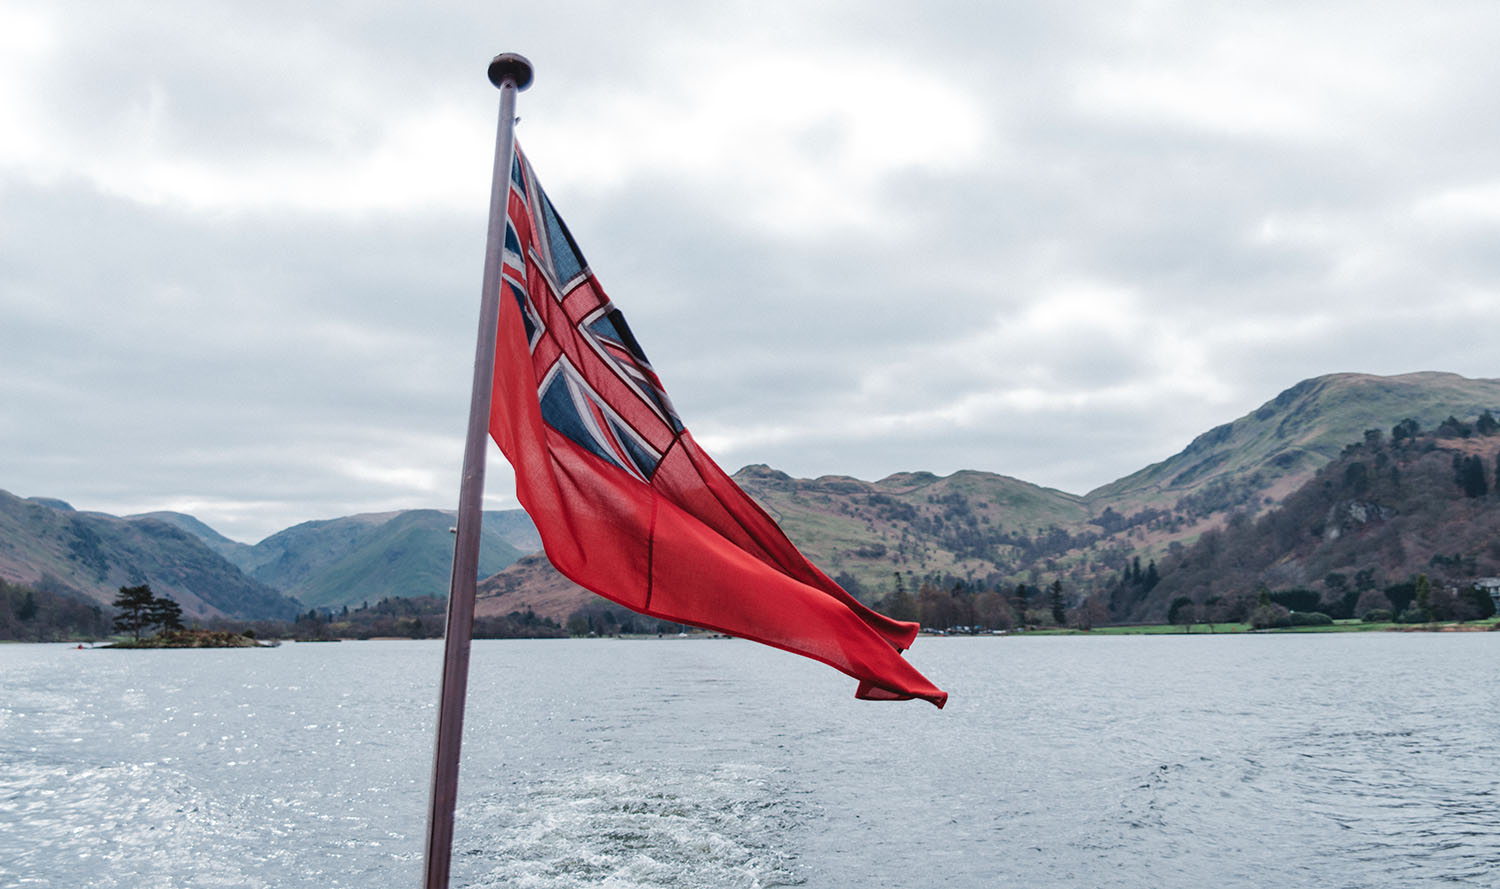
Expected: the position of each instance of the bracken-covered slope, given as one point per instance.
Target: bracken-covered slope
(989, 529)
(968, 524)
(858, 532)
(530, 584)
(978, 527)
(1380, 513)
(47, 543)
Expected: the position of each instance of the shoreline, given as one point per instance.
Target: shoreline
(1355, 625)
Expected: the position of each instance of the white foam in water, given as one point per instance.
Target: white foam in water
(630, 830)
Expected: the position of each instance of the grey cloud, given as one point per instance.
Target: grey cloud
(290, 365)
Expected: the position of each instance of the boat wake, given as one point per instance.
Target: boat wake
(648, 827)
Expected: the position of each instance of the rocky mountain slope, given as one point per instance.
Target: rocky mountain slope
(1382, 512)
(47, 543)
(980, 529)
(989, 530)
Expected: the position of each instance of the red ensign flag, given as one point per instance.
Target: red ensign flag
(626, 503)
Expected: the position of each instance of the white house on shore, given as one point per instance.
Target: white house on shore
(1490, 585)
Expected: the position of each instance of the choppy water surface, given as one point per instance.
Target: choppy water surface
(1288, 761)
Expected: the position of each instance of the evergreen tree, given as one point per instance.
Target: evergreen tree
(1453, 427)
(28, 609)
(165, 613)
(1423, 603)
(1059, 613)
(1023, 598)
(899, 604)
(1152, 576)
(1472, 477)
(134, 603)
(1486, 424)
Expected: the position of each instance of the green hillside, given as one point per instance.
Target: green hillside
(48, 544)
(45, 543)
(977, 530)
(1285, 440)
(990, 530)
(365, 558)
(229, 549)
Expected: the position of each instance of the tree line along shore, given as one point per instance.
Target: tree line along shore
(140, 619)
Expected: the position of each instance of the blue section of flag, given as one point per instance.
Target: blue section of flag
(611, 326)
(625, 354)
(562, 414)
(645, 461)
(567, 259)
(526, 318)
(573, 408)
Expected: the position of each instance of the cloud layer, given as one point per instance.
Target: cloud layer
(240, 245)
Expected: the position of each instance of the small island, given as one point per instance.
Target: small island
(141, 609)
(194, 639)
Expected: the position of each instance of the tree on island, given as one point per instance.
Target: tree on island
(140, 608)
(165, 613)
(134, 602)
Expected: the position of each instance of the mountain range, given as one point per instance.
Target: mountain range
(990, 530)
(970, 527)
(327, 564)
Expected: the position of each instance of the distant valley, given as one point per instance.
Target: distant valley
(328, 564)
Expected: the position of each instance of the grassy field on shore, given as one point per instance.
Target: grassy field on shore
(1338, 626)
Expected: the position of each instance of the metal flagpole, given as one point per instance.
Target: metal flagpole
(511, 73)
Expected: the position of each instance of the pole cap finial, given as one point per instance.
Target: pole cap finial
(511, 66)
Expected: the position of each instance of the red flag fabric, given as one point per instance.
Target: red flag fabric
(626, 502)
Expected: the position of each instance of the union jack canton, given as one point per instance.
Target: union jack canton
(594, 382)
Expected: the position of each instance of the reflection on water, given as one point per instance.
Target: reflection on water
(1327, 761)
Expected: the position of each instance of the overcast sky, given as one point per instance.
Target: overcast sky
(241, 243)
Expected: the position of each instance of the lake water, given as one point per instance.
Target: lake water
(1368, 760)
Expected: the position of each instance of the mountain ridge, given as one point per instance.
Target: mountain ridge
(91, 555)
(976, 527)
(969, 526)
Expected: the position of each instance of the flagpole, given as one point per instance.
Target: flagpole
(511, 73)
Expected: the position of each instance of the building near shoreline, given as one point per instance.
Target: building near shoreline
(1490, 585)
